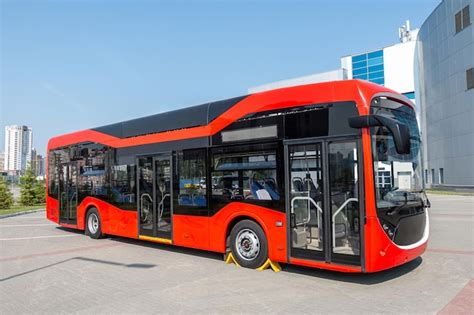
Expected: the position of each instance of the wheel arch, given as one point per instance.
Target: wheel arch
(82, 214)
(272, 222)
(240, 217)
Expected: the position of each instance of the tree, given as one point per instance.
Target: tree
(40, 192)
(28, 185)
(6, 197)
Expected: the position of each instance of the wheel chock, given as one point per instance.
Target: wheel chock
(229, 259)
(270, 264)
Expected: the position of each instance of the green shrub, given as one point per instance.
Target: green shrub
(32, 191)
(6, 197)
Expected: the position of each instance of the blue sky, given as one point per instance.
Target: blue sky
(72, 65)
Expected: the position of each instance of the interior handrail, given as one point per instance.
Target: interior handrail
(72, 197)
(320, 211)
(161, 206)
(141, 203)
(334, 217)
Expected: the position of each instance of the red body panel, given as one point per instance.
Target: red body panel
(52, 208)
(209, 233)
(115, 221)
(381, 252)
(191, 231)
(324, 265)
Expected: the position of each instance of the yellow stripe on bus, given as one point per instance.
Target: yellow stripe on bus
(154, 239)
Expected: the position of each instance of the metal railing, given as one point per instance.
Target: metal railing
(334, 219)
(309, 200)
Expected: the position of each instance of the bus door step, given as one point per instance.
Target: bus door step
(229, 259)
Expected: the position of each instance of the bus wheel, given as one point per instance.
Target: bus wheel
(249, 244)
(93, 225)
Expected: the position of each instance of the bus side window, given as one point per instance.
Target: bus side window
(123, 188)
(192, 179)
(94, 171)
(53, 174)
(245, 177)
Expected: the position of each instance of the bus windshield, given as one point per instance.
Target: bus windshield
(398, 177)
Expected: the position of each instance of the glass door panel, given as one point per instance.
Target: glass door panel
(68, 192)
(145, 195)
(72, 191)
(163, 196)
(63, 213)
(306, 200)
(345, 214)
(155, 196)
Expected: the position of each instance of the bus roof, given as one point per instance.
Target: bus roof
(209, 118)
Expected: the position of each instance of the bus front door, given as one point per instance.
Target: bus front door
(323, 200)
(155, 196)
(68, 193)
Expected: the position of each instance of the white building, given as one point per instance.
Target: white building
(37, 163)
(18, 145)
(390, 66)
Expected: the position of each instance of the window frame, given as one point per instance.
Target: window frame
(462, 19)
(470, 79)
(190, 209)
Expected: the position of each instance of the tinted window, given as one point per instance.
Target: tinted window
(470, 78)
(123, 186)
(53, 174)
(56, 160)
(307, 124)
(462, 19)
(245, 177)
(93, 171)
(192, 179)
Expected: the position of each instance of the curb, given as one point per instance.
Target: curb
(20, 213)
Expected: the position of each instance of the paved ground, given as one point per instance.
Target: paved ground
(46, 269)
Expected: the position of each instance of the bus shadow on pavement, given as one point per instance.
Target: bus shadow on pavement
(69, 230)
(358, 278)
(108, 262)
(86, 259)
(170, 248)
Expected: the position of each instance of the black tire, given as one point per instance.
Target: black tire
(93, 224)
(250, 235)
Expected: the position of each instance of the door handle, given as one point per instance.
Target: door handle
(292, 220)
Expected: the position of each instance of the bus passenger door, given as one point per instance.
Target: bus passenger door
(306, 200)
(155, 197)
(68, 193)
(323, 200)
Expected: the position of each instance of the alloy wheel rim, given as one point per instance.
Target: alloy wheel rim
(247, 244)
(93, 223)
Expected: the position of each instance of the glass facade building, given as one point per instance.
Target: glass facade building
(369, 66)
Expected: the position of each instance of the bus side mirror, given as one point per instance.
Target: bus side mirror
(399, 131)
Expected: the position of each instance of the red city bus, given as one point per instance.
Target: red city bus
(323, 175)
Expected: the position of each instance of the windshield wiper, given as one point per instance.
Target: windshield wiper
(397, 209)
